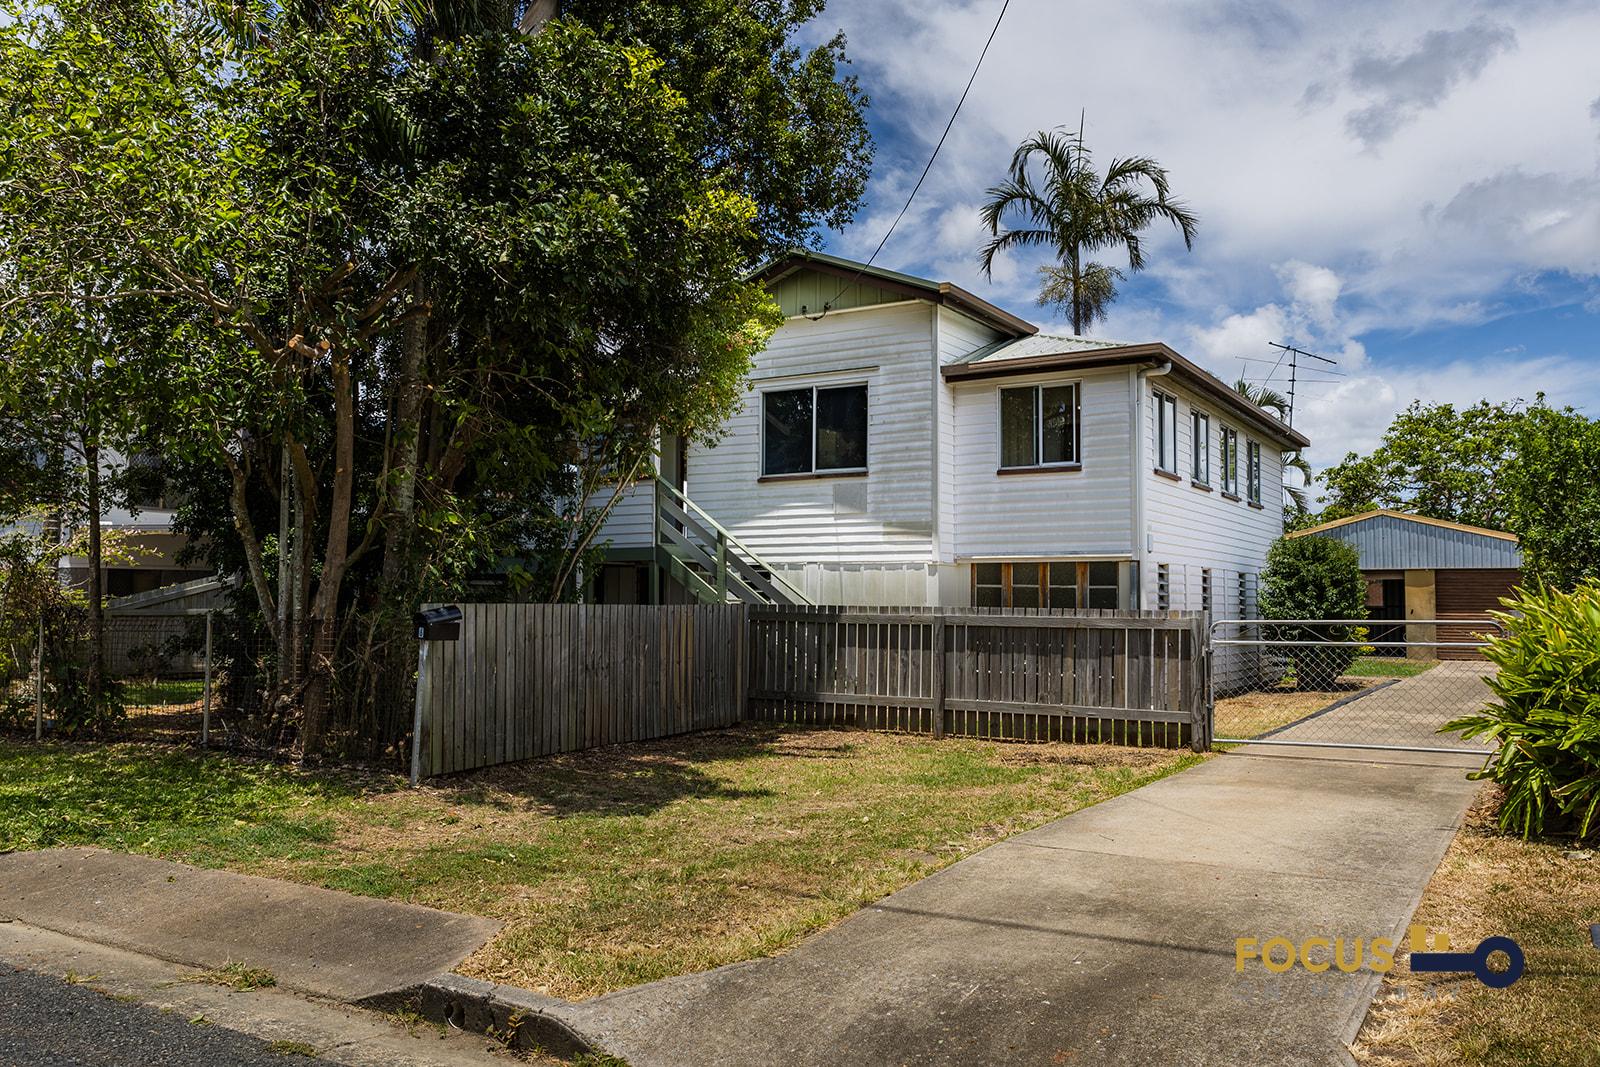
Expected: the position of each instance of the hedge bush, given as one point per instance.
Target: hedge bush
(1547, 719)
(1314, 578)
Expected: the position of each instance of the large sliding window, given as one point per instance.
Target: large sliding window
(1039, 426)
(1167, 432)
(816, 430)
(1046, 585)
(1228, 448)
(1200, 443)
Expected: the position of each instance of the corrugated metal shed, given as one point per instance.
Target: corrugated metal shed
(1391, 540)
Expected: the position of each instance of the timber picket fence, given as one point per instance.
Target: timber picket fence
(527, 680)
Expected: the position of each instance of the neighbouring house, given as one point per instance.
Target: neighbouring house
(152, 545)
(904, 442)
(1421, 568)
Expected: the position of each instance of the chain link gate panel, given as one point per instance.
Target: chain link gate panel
(1347, 683)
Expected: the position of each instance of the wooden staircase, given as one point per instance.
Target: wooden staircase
(714, 566)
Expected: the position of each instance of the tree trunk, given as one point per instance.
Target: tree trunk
(325, 609)
(97, 619)
(408, 438)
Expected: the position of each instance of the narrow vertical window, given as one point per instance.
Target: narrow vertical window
(1253, 454)
(1167, 432)
(1205, 589)
(1244, 595)
(1228, 447)
(1200, 443)
(1163, 587)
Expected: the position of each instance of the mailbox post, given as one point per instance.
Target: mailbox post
(429, 625)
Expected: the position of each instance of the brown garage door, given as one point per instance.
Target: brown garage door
(1469, 595)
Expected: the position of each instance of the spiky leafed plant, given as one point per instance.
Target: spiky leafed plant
(1075, 211)
(1272, 400)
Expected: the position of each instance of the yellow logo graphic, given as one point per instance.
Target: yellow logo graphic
(1279, 955)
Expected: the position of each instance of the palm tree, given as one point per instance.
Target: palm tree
(1077, 212)
(1278, 404)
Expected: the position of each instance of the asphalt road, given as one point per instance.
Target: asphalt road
(45, 1022)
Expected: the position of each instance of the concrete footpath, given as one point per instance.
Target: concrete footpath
(313, 940)
(1106, 937)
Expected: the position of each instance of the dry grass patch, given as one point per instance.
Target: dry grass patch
(609, 867)
(1541, 894)
(1255, 713)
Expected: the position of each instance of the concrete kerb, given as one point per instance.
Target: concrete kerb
(519, 1018)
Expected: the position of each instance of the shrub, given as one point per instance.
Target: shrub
(1547, 720)
(1314, 578)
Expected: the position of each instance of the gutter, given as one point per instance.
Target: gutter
(1141, 474)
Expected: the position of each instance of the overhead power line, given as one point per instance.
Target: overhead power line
(933, 156)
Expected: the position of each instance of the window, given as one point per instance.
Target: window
(1039, 426)
(1205, 589)
(816, 430)
(1047, 585)
(1253, 464)
(1163, 587)
(1244, 595)
(1167, 432)
(1228, 449)
(1200, 441)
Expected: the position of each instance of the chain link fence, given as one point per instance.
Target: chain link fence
(1340, 683)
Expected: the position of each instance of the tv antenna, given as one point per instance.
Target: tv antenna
(1293, 354)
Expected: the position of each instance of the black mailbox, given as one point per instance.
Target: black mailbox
(438, 624)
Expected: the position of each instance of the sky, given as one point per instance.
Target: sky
(1410, 189)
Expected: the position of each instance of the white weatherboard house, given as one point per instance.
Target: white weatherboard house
(916, 445)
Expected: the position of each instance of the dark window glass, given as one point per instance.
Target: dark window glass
(1025, 585)
(1016, 428)
(1064, 585)
(987, 591)
(1058, 443)
(786, 441)
(842, 428)
(1103, 585)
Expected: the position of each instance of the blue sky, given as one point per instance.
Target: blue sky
(1410, 189)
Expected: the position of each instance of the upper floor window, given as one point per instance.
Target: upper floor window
(1228, 456)
(1167, 432)
(816, 430)
(1253, 459)
(1200, 443)
(1039, 426)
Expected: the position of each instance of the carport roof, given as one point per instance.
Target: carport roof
(1393, 540)
(1442, 523)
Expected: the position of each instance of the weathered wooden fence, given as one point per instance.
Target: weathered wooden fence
(527, 680)
(1128, 677)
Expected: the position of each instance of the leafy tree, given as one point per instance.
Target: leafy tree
(1075, 211)
(1552, 487)
(433, 288)
(1314, 578)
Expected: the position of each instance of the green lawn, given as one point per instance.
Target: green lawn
(155, 692)
(1389, 667)
(609, 867)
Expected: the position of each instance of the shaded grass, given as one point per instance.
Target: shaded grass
(1540, 897)
(609, 867)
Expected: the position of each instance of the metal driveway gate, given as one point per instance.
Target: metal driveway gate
(1346, 683)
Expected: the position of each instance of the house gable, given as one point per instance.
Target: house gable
(804, 292)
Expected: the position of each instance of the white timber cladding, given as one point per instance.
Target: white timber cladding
(1192, 530)
(632, 518)
(883, 516)
(1051, 513)
(957, 335)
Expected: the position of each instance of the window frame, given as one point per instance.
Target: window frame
(813, 472)
(1252, 451)
(1200, 447)
(1037, 389)
(1081, 585)
(1164, 402)
(1228, 443)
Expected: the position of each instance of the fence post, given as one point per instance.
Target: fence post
(938, 673)
(416, 720)
(38, 685)
(1200, 673)
(205, 692)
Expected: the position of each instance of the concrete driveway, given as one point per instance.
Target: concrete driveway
(1106, 937)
